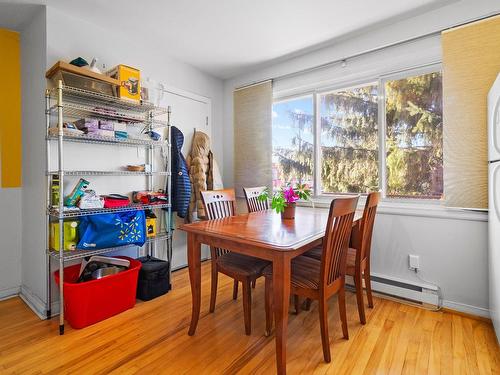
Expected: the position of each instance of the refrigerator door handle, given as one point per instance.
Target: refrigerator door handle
(494, 187)
(495, 123)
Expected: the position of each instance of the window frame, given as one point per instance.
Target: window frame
(380, 81)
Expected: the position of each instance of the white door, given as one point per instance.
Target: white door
(494, 121)
(494, 243)
(189, 111)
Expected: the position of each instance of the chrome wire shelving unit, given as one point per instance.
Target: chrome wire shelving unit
(63, 102)
(109, 173)
(78, 254)
(95, 139)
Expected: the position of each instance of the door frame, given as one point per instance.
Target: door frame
(193, 96)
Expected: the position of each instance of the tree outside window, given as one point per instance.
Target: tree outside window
(414, 139)
(292, 132)
(350, 141)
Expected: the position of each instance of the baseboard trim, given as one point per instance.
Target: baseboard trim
(9, 292)
(467, 310)
(34, 302)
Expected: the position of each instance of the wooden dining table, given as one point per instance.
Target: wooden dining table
(263, 235)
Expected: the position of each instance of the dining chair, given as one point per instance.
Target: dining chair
(242, 268)
(253, 203)
(358, 254)
(320, 279)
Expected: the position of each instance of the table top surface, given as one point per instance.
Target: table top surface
(267, 229)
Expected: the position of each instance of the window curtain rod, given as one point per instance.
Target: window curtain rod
(366, 52)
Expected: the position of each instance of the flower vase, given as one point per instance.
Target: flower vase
(289, 211)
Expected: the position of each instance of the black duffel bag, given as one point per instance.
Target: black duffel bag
(154, 278)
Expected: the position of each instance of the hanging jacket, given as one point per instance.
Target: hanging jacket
(203, 172)
(181, 186)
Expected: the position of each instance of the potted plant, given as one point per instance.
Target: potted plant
(284, 200)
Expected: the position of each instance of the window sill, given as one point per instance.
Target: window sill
(409, 208)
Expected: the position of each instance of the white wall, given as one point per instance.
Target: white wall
(33, 58)
(10, 248)
(452, 244)
(68, 37)
(11, 199)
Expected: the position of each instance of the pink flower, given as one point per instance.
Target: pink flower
(290, 195)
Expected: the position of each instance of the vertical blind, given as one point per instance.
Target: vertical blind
(252, 136)
(471, 62)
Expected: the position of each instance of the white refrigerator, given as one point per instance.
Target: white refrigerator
(494, 203)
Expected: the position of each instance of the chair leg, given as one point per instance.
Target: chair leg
(323, 323)
(213, 287)
(269, 305)
(358, 281)
(342, 311)
(368, 285)
(235, 289)
(247, 306)
(253, 283)
(296, 301)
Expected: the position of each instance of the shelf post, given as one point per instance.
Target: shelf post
(60, 167)
(48, 300)
(169, 196)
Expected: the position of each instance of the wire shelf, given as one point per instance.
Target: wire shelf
(88, 138)
(108, 173)
(79, 254)
(98, 99)
(78, 110)
(76, 212)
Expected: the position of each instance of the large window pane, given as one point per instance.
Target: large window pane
(414, 137)
(293, 141)
(349, 140)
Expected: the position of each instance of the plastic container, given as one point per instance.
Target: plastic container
(90, 302)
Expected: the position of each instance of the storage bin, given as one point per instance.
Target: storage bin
(90, 302)
(154, 278)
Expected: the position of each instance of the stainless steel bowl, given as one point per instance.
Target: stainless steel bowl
(105, 271)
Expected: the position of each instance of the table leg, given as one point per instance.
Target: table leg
(194, 263)
(281, 289)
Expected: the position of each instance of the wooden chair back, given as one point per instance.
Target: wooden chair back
(366, 228)
(251, 195)
(336, 241)
(218, 204)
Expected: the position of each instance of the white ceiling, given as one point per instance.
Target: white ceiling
(227, 37)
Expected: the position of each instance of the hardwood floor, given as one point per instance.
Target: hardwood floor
(152, 338)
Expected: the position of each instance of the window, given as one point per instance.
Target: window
(349, 140)
(293, 141)
(414, 136)
(366, 143)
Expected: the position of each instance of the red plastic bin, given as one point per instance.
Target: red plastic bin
(90, 302)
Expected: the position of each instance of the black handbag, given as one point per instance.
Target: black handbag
(154, 278)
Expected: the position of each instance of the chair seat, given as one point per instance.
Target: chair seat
(317, 251)
(304, 273)
(241, 264)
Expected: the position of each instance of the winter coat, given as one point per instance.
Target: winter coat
(181, 186)
(203, 173)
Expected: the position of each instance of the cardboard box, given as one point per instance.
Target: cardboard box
(130, 81)
(120, 127)
(87, 124)
(106, 125)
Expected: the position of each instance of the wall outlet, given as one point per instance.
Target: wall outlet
(413, 262)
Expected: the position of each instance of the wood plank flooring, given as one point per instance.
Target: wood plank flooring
(152, 339)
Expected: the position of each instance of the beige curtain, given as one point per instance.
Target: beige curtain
(471, 62)
(252, 136)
